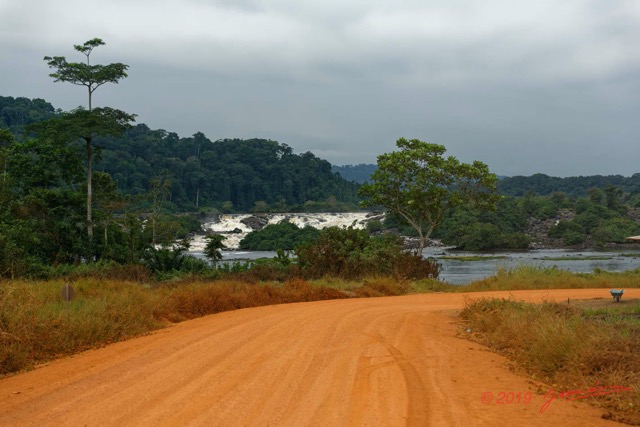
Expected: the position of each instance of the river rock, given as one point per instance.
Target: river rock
(256, 222)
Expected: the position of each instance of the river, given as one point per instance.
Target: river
(454, 270)
(460, 272)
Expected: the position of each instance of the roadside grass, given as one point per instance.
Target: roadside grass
(35, 326)
(572, 347)
(531, 277)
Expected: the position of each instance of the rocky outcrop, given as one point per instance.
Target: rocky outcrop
(256, 222)
(538, 230)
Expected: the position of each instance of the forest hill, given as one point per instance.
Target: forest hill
(158, 176)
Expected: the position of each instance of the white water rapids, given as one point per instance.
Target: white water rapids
(228, 223)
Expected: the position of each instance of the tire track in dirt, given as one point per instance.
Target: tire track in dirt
(363, 362)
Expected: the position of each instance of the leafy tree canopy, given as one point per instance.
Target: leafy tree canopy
(81, 74)
(419, 184)
(83, 124)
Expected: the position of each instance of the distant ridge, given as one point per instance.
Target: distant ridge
(355, 173)
(576, 186)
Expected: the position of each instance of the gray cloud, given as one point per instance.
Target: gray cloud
(526, 87)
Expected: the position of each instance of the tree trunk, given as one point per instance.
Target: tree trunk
(89, 173)
(89, 192)
(421, 244)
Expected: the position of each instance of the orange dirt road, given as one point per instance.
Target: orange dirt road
(390, 361)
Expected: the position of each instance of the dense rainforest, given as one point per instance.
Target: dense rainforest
(16, 113)
(575, 186)
(242, 175)
(540, 184)
(229, 174)
(151, 186)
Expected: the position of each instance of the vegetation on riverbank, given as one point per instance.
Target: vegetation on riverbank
(571, 346)
(144, 178)
(531, 277)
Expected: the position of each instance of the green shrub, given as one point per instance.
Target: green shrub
(483, 237)
(374, 226)
(350, 253)
(615, 230)
(572, 238)
(284, 236)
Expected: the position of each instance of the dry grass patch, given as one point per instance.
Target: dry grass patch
(528, 277)
(35, 326)
(568, 346)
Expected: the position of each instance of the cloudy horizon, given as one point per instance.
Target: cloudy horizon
(525, 87)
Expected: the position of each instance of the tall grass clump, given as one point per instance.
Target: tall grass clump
(199, 298)
(35, 325)
(532, 277)
(565, 346)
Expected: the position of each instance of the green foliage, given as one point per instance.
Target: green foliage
(591, 218)
(420, 185)
(214, 246)
(41, 201)
(539, 207)
(594, 219)
(572, 238)
(615, 230)
(16, 113)
(351, 254)
(90, 76)
(374, 226)
(229, 174)
(482, 237)
(173, 259)
(577, 186)
(86, 124)
(43, 163)
(563, 227)
(285, 236)
(471, 229)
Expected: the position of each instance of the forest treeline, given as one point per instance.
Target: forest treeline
(574, 186)
(16, 113)
(205, 173)
(151, 187)
(229, 174)
(540, 184)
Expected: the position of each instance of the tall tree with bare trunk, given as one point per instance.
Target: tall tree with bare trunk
(92, 77)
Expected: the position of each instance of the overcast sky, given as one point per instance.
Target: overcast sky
(527, 87)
